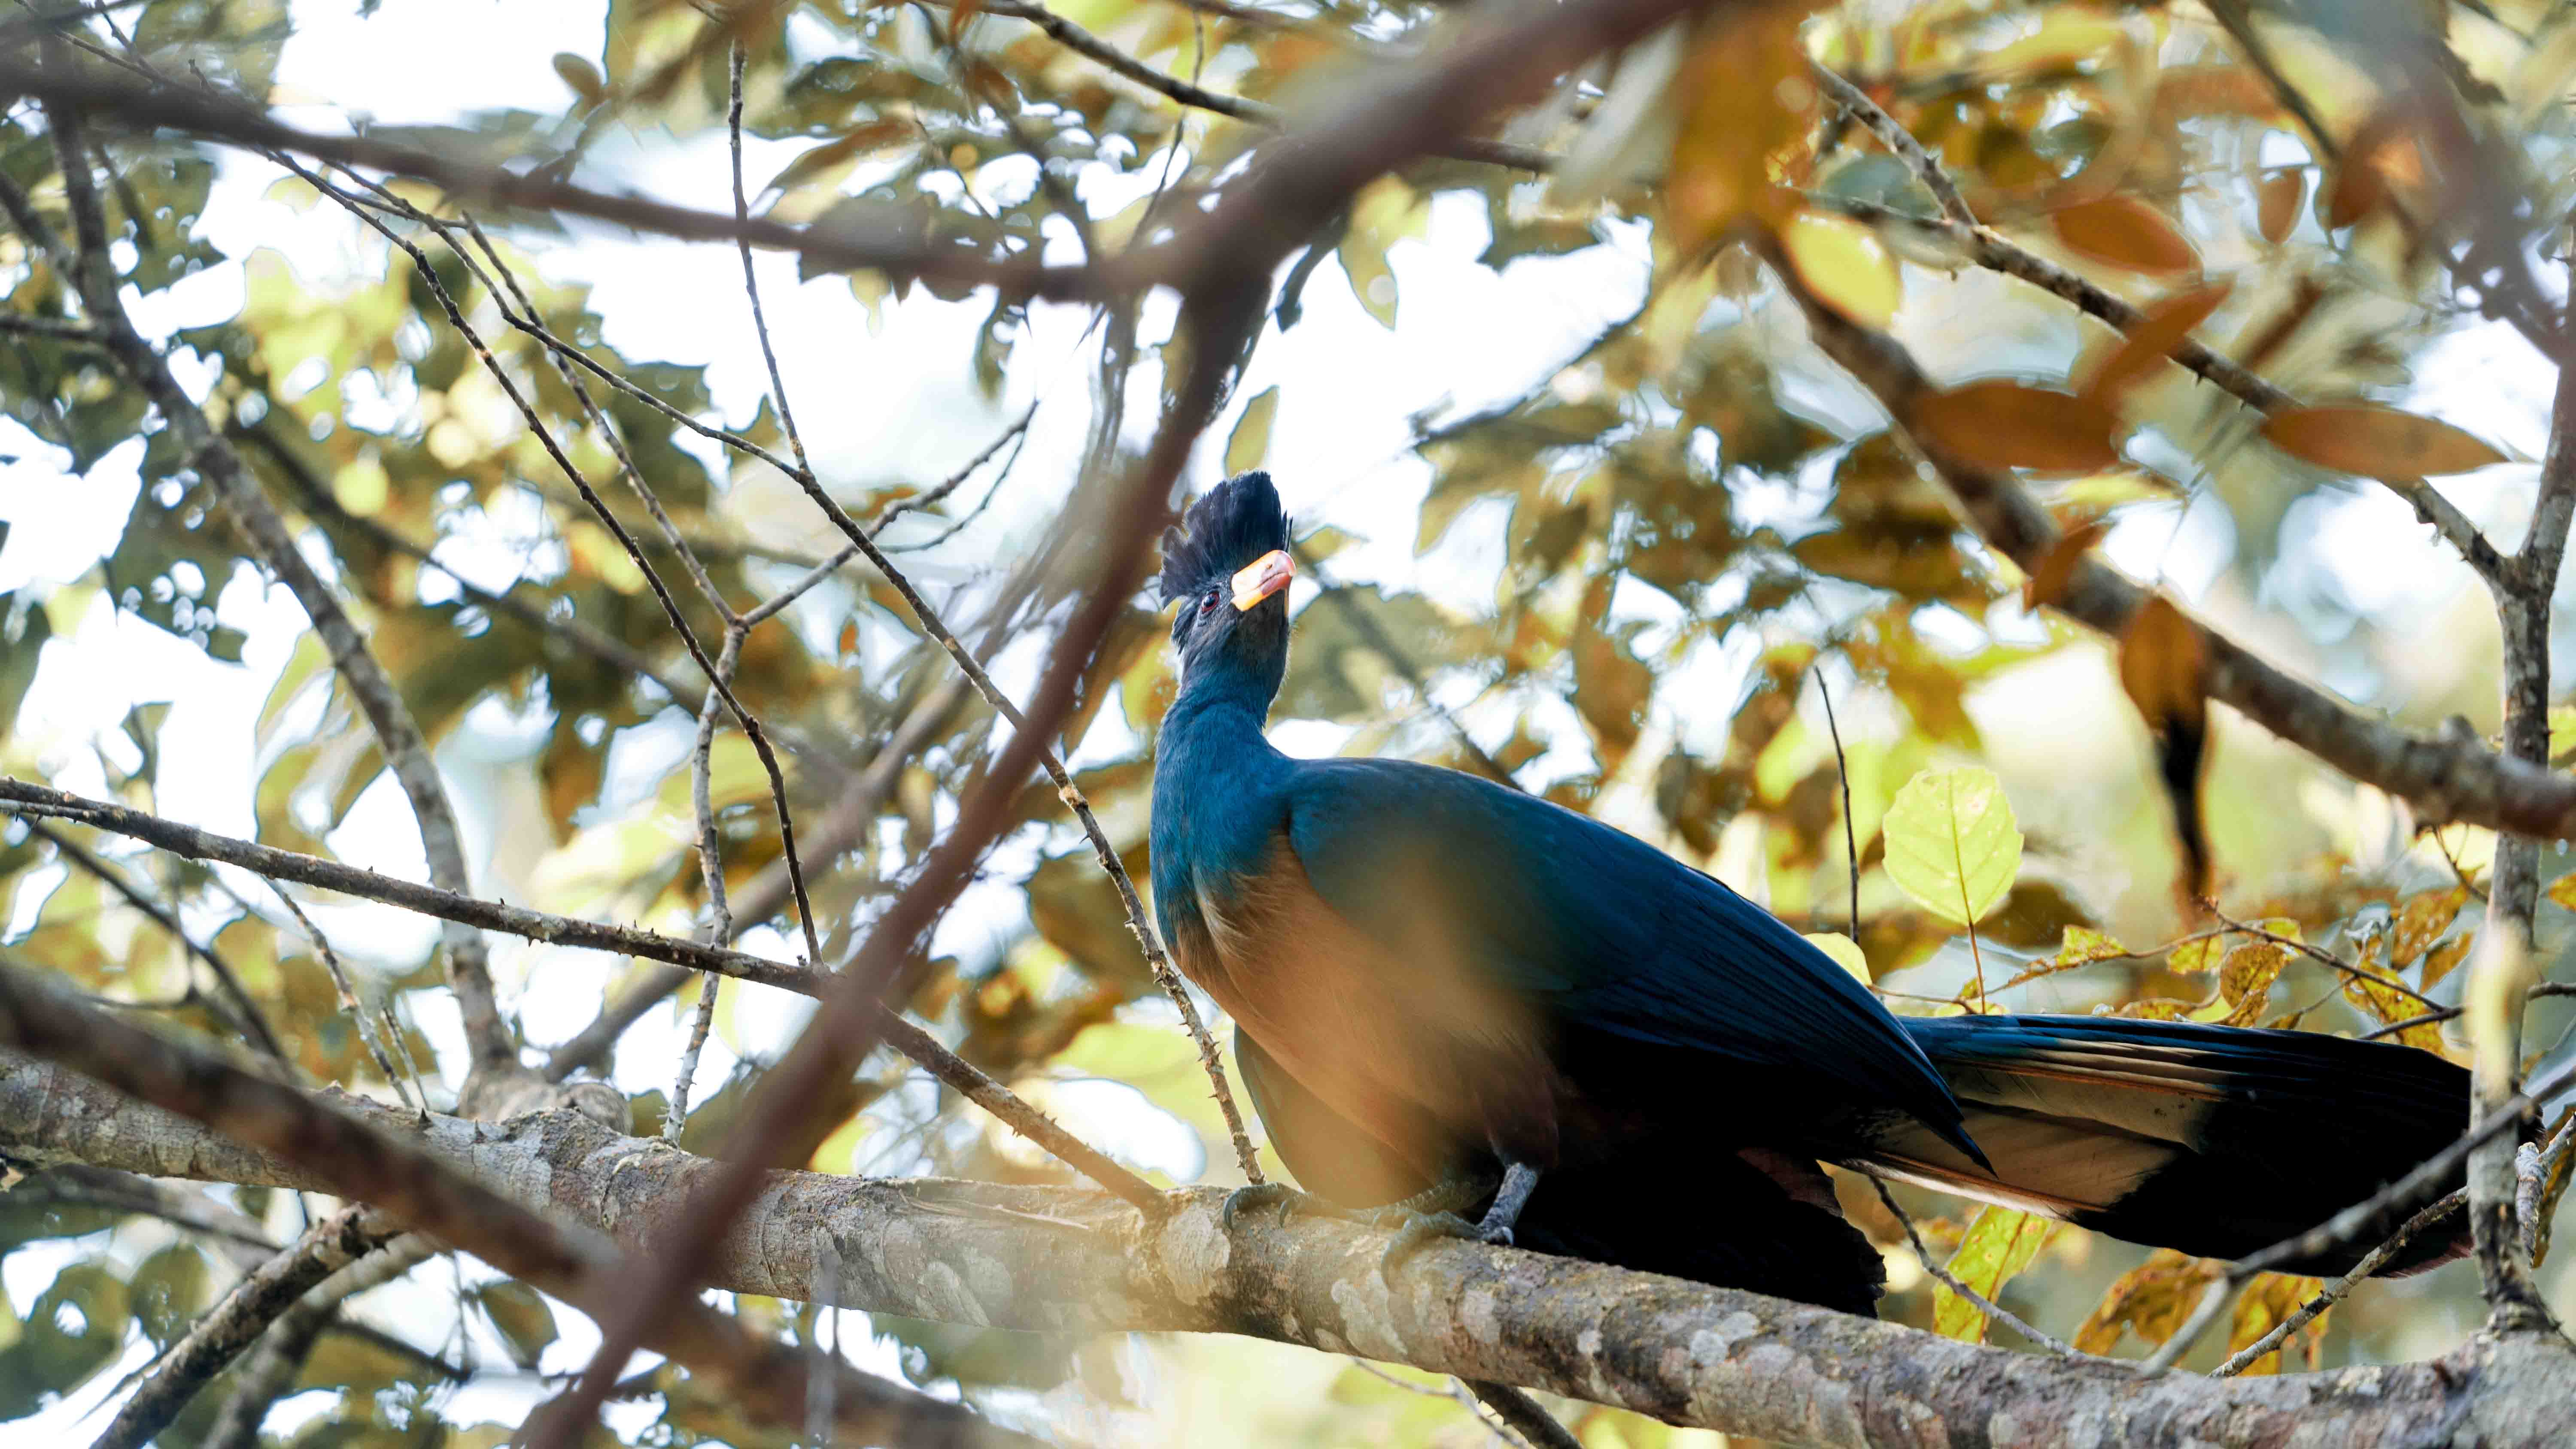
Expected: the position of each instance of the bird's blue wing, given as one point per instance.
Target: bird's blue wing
(1603, 931)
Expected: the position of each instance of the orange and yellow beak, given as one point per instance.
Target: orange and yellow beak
(1263, 577)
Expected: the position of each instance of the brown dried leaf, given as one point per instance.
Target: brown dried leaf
(2376, 442)
(2164, 665)
(2157, 334)
(2124, 232)
(1997, 424)
(2047, 582)
(2276, 203)
(1732, 90)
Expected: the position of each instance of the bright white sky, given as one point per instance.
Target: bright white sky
(897, 404)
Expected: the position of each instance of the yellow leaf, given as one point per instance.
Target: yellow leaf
(2447, 956)
(1844, 951)
(1997, 424)
(2268, 1301)
(578, 73)
(2124, 232)
(2376, 442)
(1249, 443)
(2157, 334)
(2389, 1006)
(1999, 1243)
(2069, 36)
(2421, 921)
(1845, 265)
(2245, 979)
(2151, 1300)
(2276, 203)
(1952, 844)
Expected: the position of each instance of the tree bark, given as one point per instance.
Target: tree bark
(1068, 1260)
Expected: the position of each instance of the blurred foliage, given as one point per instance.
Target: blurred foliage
(1643, 583)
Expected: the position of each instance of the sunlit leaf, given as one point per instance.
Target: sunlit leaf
(2245, 979)
(1999, 1243)
(1952, 844)
(2150, 1300)
(584, 78)
(2443, 959)
(1997, 424)
(2421, 920)
(1845, 264)
(1249, 443)
(2265, 1304)
(2376, 442)
(1845, 951)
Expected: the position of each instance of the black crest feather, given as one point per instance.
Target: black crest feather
(1237, 521)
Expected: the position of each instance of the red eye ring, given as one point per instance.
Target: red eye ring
(1208, 604)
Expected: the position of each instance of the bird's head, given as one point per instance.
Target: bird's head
(1228, 568)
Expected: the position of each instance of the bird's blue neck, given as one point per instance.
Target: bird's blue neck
(1218, 783)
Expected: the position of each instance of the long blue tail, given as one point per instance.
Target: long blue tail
(2215, 1140)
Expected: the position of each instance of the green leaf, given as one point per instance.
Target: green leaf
(1845, 951)
(1250, 441)
(1999, 1243)
(167, 1292)
(521, 1317)
(1952, 844)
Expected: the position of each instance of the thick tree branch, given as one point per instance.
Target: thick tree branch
(1068, 1261)
(2502, 971)
(1197, 97)
(911, 1040)
(345, 1155)
(892, 243)
(221, 1333)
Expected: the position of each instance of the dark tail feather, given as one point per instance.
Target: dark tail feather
(2214, 1140)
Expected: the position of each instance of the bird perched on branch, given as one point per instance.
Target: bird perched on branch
(1462, 999)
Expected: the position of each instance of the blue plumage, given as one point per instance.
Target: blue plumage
(1434, 976)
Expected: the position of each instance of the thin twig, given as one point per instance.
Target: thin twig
(1842, 772)
(23, 798)
(350, 1003)
(2336, 1291)
(719, 926)
(1989, 249)
(252, 1019)
(404, 749)
(1949, 1280)
(221, 1333)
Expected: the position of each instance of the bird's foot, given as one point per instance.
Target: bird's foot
(1416, 1231)
(1287, 1200)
